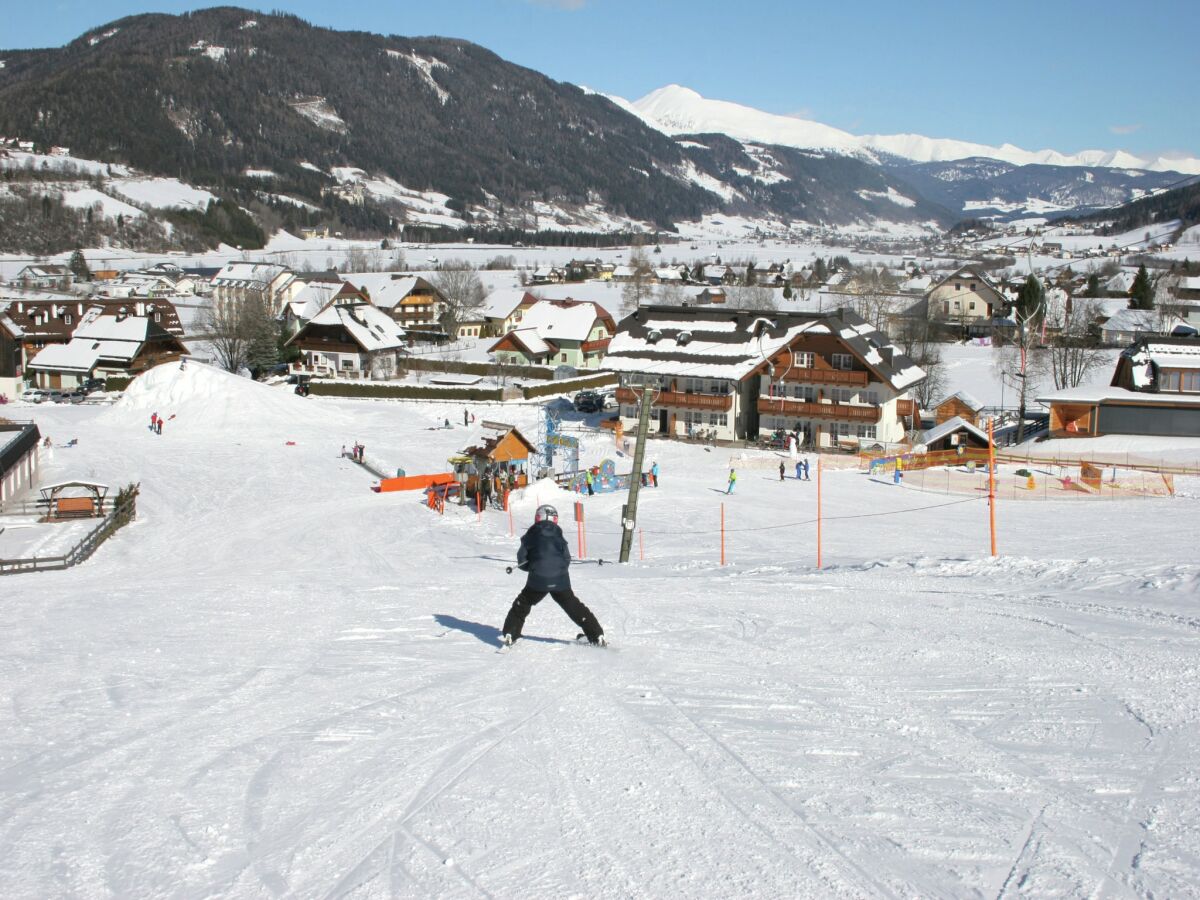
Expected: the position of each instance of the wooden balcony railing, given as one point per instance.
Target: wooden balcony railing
(594, 346)
(681, 400)
(770, 406)
(848, 377)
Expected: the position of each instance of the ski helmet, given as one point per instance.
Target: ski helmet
(546, 512)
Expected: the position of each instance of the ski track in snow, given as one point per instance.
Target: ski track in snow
(276, 683)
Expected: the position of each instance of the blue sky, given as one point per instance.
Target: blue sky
(1054, 73)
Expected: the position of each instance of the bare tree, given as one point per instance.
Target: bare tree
(753, 297)
(464, 293)
(241, 333)
(671, 294)
(1073, 355)
(639, 288)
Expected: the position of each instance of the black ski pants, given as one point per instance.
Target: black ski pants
(571, 605)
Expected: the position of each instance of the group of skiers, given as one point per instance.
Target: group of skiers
(156, 423)
(801, 470)
(356, 451)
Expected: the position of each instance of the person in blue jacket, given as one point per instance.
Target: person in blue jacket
(544, 555)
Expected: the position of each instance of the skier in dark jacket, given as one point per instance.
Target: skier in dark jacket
(544, 555)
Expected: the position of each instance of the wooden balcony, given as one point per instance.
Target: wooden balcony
(842, 377)
(680, 400)
(770, 406)
(600, 344)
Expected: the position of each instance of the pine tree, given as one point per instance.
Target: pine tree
(79, 267)
(1093, 285)
(1030, 298)
(1141, 293)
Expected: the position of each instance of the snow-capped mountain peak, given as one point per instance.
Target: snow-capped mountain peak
(675, 109)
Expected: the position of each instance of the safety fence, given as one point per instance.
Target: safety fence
(121, 514)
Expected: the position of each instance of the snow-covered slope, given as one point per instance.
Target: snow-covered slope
(276, 683)
(679, 110)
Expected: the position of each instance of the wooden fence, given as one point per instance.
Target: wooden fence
(116, 519)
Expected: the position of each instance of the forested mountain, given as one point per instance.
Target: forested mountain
(375, 132)
(1003, 190)
(1182, 203)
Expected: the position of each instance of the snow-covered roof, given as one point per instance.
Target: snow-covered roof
(82, 354)
(561, 319)
(1121, 282)
(97, 326)
(253, 273)
(1190, 283)
(1143, 320)
(949, 427)
(387, 289)
(501, 304)
(1107, 394)
(528, 338)
(966, 399)
(368, 326)
(313, 298)
(709, 342)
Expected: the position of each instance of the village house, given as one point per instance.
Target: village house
(558, 332)
(1127, 325)
(40, 323)
(18, 459)
(350, 338)
(502, 310)
(547, 275)
(12, 357)
(238, 282)
(104, 345)
(1155, 390)
(312, 297)
(966, 298)
(412, 301)
(744, 374)
(48, 277)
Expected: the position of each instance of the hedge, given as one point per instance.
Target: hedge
(403, 391)
(116, 384)
(541, 373)
(570, 385)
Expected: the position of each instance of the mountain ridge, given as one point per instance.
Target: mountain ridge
(677, 109)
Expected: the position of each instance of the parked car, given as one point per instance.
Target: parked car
(93, 384)
(33, 395)
(609, 399)
(78, 395)
(588, 402)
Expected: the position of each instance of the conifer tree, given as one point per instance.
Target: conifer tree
(1141, 293)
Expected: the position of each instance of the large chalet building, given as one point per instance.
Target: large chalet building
(350, 338)
(745, 374)
(968, 298)
(412, 301)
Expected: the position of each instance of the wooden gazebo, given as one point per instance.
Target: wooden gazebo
(74, 499)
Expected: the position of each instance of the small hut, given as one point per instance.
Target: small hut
(497, 454)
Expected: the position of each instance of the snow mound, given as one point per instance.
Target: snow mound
(200, 396)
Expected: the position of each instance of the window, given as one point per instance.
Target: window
(958, 285)
(946, 308)
(866, 431)
(972, 307)
(972, 285)
(629, 412)
(805, 392)
(67, 319)
(718, 418)
(842, 361)
(804, 360)
(1191, 382)
(562, 357)
(1168, 380)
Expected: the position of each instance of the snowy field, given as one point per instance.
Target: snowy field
(278, 683)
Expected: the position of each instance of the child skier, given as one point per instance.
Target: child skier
(732, 481)
(544, 555)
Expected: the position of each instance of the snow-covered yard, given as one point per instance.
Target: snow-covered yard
(278, 683)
